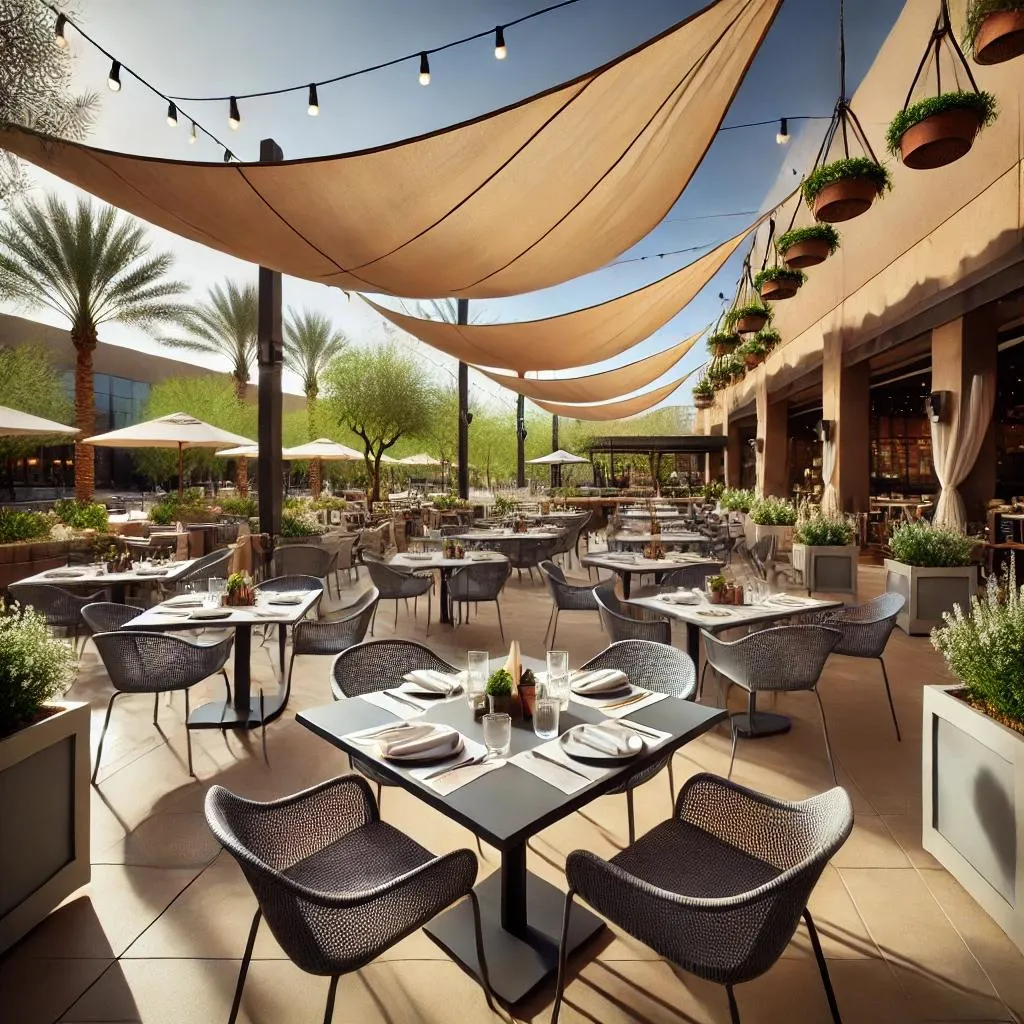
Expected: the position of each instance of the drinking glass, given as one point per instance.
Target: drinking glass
(545, 717)
(497, 733)
(478, 669)
(216, 587)
(558, 678)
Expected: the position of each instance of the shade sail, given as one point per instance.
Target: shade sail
(572, 339)
(559, 457)
(598, 387)
(172, 431)
(615, 410)
(325, 449)
(14, 423)
(492, 207)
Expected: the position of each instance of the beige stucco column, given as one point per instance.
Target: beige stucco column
(733, 451)
(772, 442)
(846, 403)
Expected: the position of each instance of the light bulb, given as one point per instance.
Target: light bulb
(314, 103)
(500, 49)
(58, 32)
(114, 78)
(192, 134)
(172, 115)
(424, 69)
(782, 136)
(234, 118)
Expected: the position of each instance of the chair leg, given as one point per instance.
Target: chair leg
(734, 1010)
(560, 983)
(156, 707)
(396, 615)
(551, 617)
(428, 613)
(485, 977)
(501, 628)
(373, 619)
(554, 631)
(888, 693)
(282, 643)
(824, 729)
(244, 969)
(227, 684)
(630, 816)
(331, 992)
(103, 733)
(188, 738)
(671, 782)
(732, 755)
(822, 967)
(700, 685)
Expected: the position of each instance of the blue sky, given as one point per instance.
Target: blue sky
(214, 47)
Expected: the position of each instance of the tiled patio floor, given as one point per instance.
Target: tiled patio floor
(158, 935)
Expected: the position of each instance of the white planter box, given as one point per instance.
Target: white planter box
(827, 567)
(783, 536)
(44, 810)
(929, 592)
(973, 818)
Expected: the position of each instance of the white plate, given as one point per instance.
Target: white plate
(412, 556)
(578, 751)
(427, 757)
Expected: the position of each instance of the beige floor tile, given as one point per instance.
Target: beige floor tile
(871, 845)
(34, 991)
(906, 830)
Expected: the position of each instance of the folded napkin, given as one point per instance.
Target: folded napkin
(599, 681)
(608, 739)
(680, 597)
(151, 572)
(432, 681)
(287, 599)
(184, 601)
(421, 741)
(211, 613)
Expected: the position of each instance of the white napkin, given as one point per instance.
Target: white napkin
(608, 739)
(567, 775)
(606, 708)
(421, 740)
(211, 613)
(184, 601)
(395, 707)
(599, 681)
(679, 597)
(287, 598)
(431, 680)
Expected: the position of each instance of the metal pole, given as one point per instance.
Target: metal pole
(520, 441)
(270, 359)
(463, 318)
(556, 471)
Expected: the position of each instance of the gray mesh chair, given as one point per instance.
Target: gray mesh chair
(478, 584)
(776, 660)
(719, 889)
(305, 560)
(655, 667)
(61, 608)
(690, 575)
(284, 584)
(343, 545)
(568, 597)
(866, 629)
(141, 662)
(619, 625)
(529, 552)
(215, 564)
(337, 885)
(107, 616)
(398, 585)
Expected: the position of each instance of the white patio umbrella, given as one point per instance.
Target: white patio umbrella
(242, 451)
(323, 449)
(422, 459)
(178, 430)
(558, 458)
(14, 423)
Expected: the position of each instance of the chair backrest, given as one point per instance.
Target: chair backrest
(391, 582)
(138, 661)
(654, 666)
(885, 606)
(60, 607)
(780, 658)
(551, 571)
(619, 626)
(205, 568)
(531, 551)
(866, 628)
(295, 581)
(690, 575)
(481, 581)
(302, 560)
(343, 544)
(380, 664)
(107, 616)
(337, 631)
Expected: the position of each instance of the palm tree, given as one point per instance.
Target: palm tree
(310, 343)
(92, 265)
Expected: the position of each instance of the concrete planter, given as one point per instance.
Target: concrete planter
(973, 806)
(783, 535)
(929, 592)
(44, 807)
(827, 567)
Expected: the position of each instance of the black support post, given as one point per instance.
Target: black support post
(556, 471)
(520, 441)
(463, 318)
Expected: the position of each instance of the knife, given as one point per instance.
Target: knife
(559, 764)
(640, 729)
(453, 768)
(628, 700)
(402, 700)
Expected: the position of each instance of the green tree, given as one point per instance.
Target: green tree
(380, 394)
(92, 265)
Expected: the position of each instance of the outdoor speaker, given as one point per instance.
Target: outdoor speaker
(935, 405)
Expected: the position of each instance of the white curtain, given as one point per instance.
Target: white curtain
(955, 447)
(829, 497)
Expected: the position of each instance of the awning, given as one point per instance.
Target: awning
(615, 410)
(521, 199)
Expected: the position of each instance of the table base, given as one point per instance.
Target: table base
(760, 723)
(222, 714)
(516, 966)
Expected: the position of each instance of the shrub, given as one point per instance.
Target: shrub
(737, 313)
(822, 231)
(503, 506)
(984, 103)
(448, 501)
(172, 508)
(821, 530)
(239, 506)
(979, 10)
(82, 515)
(798, 277)
(713, 490)
(299, 519)
(922, 544)
(34, 667)
(841, 170)
(773, 512)
(329, 503)
(736, 499)
(21, 524)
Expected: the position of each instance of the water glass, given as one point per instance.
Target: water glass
(498, 733)
(545, 717)
(558, 678)
(478, 671)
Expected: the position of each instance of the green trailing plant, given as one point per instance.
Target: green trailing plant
(239, 506)
(921, 544)
(722, 343)
(190, 506)
(797, 277)
(718, 375)
(773, 512)
(704, 388)
(979, 10)
(841, 170)
(982, 103)
(713, 490)
(737, 313)
(21, 524)
(754, 346)
(34, 667)
(446, 502)
(821, 530)
(769, 337)
(81, 515)
(503, 506)
(818, 232)
(734, 367)
(737, 499)
(500, 684)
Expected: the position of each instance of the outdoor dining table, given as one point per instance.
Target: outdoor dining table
(245, 710)
(642, 513)
(444, 566)
(89, 576)
(715, 618)
(521, 913)
(627, 564)
(669, 539)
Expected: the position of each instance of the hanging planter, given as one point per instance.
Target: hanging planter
(807, 247)
(940, 129)
(748, 318)
(704, 394)
(723, 344)
(995, 30)
(735, 367)
(769, 338)
(777, 283)
(753, 352)
(845, 189)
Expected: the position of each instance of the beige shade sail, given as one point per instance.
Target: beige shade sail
(14, 423)
(598, 387)
(579, 338)
(491, 207)
(615, 410)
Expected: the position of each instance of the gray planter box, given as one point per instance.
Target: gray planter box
(44, 807)
(973, 821)
(929, 592)
(827, 567)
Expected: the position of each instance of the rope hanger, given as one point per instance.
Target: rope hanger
(942, 33)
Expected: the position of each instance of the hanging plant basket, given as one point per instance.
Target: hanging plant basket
(845, 189)
(769, 339)
(940, 129)
(995, 30)
(777, 283)
(807, 247)
(704, 399)
(749, 318)
(723, 344)
(753, 353)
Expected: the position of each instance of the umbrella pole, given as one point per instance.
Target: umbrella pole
(181, 471)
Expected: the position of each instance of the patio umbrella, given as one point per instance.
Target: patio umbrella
(323, 449)
(178, 430)
(558, 458)
(423, 459)
(242, 451)
(22, 424)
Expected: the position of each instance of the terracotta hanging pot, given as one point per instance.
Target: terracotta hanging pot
(806, 253)
(753, 360)
(781, 288)
(940, 139)
(751, 323)
(1000, 37)
(703, 401)
(845, 199)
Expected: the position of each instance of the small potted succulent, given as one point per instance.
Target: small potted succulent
(845, 189)
(239, 591)
(807, 247)
(776, 283)
(704, 393)
(749, 318)
(499, 692)
(939, 129)
(723, 343)
(754, 352)
(995, 30)
(716, 588)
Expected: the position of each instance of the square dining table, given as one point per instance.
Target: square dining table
(76, 576)
(521, 913)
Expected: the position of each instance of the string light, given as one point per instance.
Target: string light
(192, 135)
(228, 156)
(234, 118)
(172, 115)
(782, 136)
(114, 78)
(58, 31)
(500, 49)
(314, 103)
(424, 69)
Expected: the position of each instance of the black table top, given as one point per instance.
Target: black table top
(507, 806)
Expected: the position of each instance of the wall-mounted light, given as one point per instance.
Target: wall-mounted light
(823, 430)
(782, 135)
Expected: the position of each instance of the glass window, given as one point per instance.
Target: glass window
(121, 387)
(101, 383)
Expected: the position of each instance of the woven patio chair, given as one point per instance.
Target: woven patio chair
(213, 565)
(568, 597)
(284, 584)
(343, 545)
(305, 560)
(622, 622)
(777, 660)
(143, 662)
(529, 552)
(719, 889)
(399, 585)
(61, 608)
(690, 576)
(656, 667)
(479, 583)
(337, 885)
